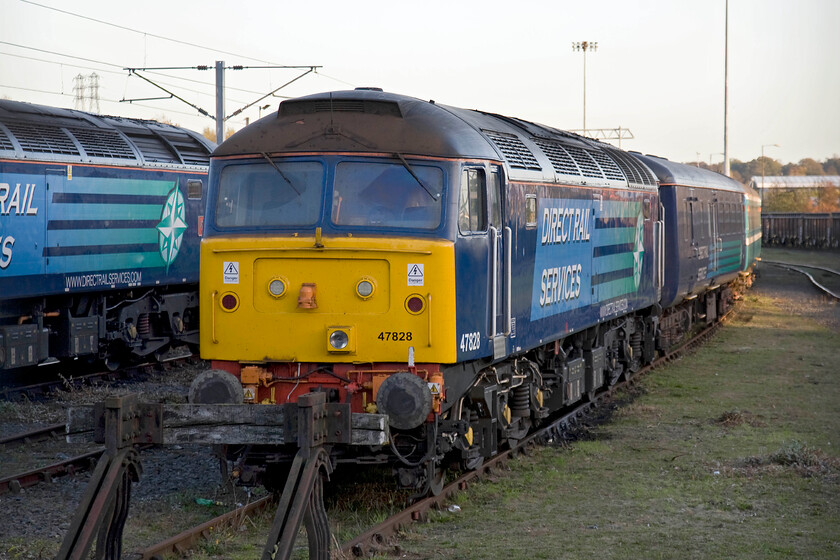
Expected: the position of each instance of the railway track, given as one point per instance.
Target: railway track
(16, 482)
(54, 382)
(373, 538)
(831, 276)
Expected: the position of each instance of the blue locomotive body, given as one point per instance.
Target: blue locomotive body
(83, 228)
(100, 220)
(468, 274)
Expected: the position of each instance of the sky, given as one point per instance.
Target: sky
(658, 69)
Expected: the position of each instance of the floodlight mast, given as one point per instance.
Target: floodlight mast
(583, 46)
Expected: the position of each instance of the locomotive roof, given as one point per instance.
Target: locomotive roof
(672, 173)
(369, 120)
(43, 133)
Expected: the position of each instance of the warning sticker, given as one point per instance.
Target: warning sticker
(415, 274)
(249, 394)
(231, 273)
(434, 388)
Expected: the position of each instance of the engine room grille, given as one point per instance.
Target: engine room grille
(559, 158)
(152, 147)
(102, 143)
(517, 153)
(635, 171)
(608, 166)
(370, 106)
(5, 142)
(588, 166)
(191, 151)
(42, 139)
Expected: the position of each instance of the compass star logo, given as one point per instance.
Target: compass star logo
(639, 251)
(172, 226)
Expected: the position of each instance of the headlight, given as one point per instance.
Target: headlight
(364, 288)
(339, 340)
(277, 287)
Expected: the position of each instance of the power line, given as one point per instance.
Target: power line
(122, 67)
(114, 101)
(144, 32)
(123, 74)
(61, 54)
(61, 63)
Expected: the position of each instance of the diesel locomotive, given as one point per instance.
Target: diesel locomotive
(100, 219)
(465, 273)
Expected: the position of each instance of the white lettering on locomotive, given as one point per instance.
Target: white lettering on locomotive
(13, 201)
(563, 225)
(6, 244)
(561, 283)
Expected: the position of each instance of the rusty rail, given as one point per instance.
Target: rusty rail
(17, 482)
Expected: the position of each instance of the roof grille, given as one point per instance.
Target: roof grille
(5, 142)
(635, 171)
(559, 158)
(190, 149)
(42, 139)
(588, 166)
(102, 143)
(517, 153)
(152, 147)
(608, 166)
(370, 106)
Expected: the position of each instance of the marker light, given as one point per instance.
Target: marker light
(229, 302)
(364, 288)
(415, 304)
(277, 287)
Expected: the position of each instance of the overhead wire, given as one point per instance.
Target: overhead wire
(120, 66)
(147, 34)
(105, 100)
(124, 28)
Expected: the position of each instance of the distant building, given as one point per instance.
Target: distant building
(798, 193)
(760, 183)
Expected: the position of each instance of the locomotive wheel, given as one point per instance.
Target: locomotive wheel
(472, 464)
(437, 478)
(516, 434)
(112, 362)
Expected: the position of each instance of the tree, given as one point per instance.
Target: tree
(831, 166)
(210, 133)
(788, 200)
(828, 198)
(165, 120)
(811, 167)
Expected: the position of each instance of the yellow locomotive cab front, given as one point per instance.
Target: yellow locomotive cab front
(327, 300)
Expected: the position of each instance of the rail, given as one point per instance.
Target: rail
(798, 268)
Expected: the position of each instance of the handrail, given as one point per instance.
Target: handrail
(494, 274)
(508, 279)
(213, 316)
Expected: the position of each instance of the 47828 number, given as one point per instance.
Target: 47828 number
(470, 342)
(395, 336)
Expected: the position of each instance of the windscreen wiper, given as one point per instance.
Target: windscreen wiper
(280, 171)
(416, 178)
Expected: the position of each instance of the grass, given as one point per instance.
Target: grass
(731, 452)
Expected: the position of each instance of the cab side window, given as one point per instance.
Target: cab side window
(472, 206)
